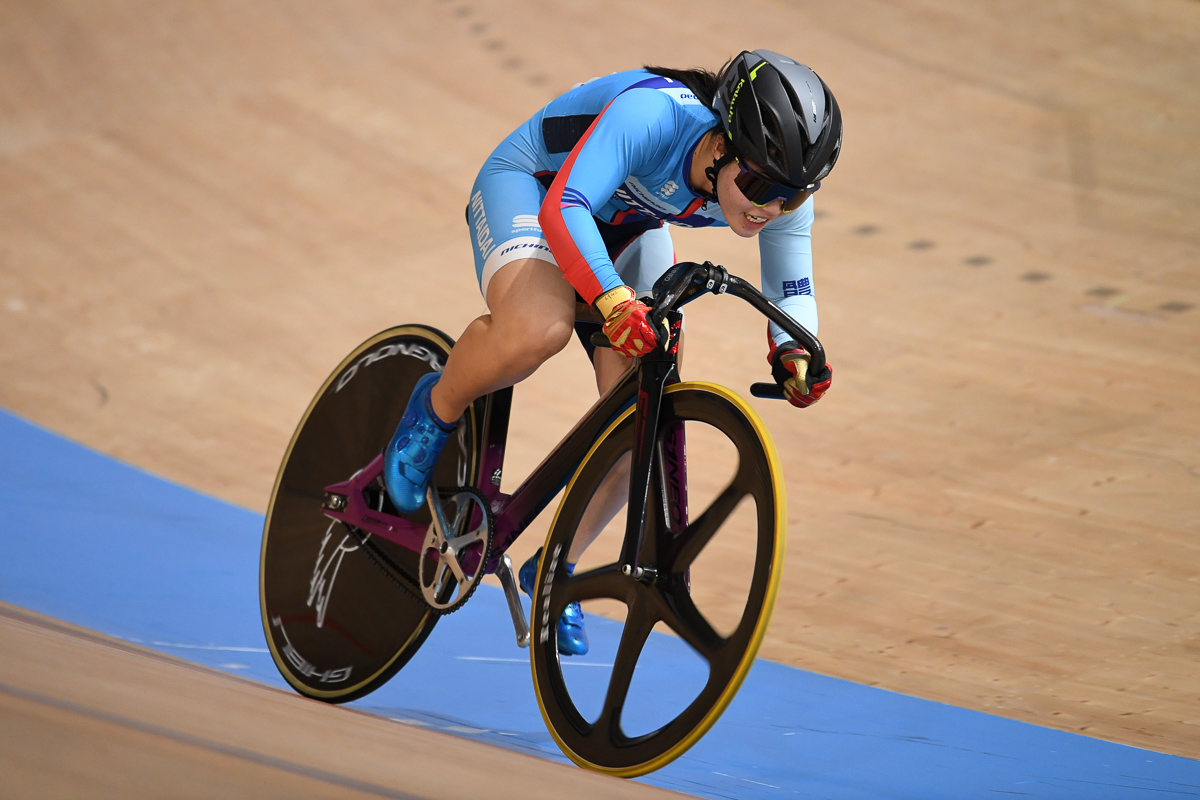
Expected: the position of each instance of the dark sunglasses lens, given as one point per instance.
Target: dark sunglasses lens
(761, 191)
(796, 201)
(752, 186)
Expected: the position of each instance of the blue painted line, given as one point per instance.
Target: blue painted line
(101, 544)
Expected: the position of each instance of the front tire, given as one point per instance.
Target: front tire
(671, 546)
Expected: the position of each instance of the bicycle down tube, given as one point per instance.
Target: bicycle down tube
(516, 511)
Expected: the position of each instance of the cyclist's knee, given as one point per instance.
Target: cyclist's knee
(555, 335)
(535, 339)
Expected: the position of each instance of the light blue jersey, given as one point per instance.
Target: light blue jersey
(613, 155)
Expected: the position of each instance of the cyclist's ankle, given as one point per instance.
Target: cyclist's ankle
(438, 419)
(439, 410)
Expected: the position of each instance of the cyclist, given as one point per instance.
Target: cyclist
(573, 203)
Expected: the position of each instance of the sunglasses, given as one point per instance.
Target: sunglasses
(763, 191)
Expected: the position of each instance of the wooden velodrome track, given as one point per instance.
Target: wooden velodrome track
(204, 206)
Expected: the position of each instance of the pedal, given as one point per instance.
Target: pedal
(505, 573)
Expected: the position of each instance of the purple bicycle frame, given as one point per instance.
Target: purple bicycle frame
(514, 512)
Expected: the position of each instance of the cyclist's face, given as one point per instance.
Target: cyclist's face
(745, 218)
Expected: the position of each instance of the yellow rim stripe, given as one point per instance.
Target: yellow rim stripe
(403, 330)
(764, 621)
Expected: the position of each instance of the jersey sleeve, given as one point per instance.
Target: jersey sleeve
(785, 253)
(630, 134)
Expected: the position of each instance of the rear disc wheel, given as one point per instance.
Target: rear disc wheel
(342, 609)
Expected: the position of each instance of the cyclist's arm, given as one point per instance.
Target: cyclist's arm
(630, 133)
(785, 252)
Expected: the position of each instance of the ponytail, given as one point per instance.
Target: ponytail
(702, 83)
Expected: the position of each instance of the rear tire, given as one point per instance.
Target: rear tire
(342, 610)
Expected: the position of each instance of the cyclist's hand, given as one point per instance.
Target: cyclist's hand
(625, 324)
(789, 367)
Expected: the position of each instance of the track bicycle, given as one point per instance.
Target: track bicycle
(350, 588)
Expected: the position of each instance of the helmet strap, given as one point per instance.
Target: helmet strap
(718, 165)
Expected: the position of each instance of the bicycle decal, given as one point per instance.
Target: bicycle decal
(549, 587)
(321, 586)
(399, 348)
(304, 667)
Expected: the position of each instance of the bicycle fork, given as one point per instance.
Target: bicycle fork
(657, 369)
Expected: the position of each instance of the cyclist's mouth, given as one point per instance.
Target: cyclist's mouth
(756, 220)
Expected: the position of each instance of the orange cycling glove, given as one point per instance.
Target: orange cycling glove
(625, 324)
(789, 367)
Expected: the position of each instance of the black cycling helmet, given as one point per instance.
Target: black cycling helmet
(778, 114)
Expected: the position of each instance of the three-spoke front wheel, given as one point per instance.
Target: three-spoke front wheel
(714, 545)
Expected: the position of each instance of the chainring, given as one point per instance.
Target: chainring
(458, 544)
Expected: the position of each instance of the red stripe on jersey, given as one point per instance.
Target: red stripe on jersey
(574, 266)
(692, 208)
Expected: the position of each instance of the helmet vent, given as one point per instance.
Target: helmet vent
(776, 151)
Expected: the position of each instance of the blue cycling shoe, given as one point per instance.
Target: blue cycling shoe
(572, 638)
(409, 459)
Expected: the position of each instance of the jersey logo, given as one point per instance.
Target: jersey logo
(526, 222)
(640, 197)
(668, 189)
(483, 234)
(797, 288)
(636, 203)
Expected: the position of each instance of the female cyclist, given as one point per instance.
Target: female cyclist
(573, 203)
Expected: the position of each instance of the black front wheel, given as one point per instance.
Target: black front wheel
(715, 577)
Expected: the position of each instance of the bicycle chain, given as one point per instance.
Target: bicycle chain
(377, 556)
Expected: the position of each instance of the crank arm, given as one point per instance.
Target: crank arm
(505, 574)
